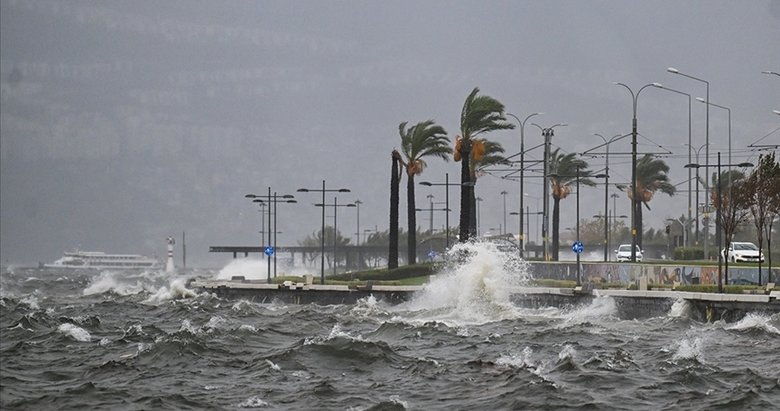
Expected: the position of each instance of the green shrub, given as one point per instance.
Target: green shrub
(689, 253)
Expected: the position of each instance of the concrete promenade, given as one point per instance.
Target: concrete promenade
(705, 307)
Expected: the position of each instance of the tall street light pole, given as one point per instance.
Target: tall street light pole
(270, 200)
(446, 185)
(503, 194)
(709, 103)
(323, 190)
(360, 254)
(522, 171)
(718, 217)
(547, 134)
(606, 193)
(706, 135)
(634, 199)
(697, 150)
(335, 206)
(690, 149)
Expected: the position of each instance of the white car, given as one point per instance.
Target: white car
(623, 253)
(743, 252)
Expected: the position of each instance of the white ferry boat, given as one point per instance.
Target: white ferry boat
(102, 261)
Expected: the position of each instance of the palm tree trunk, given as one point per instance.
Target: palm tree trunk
(556, 227)
(411, 217)
(473, 213)
(639, 228)
(466, 193)
(392, 256)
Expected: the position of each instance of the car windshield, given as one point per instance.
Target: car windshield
(745, 246)
(626, 248)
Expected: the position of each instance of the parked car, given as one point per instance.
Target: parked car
(743, 252)
(623, 253)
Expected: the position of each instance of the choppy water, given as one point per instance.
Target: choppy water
(105, 340)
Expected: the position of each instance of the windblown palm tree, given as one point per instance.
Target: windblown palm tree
(563, 170)
(425, 139)
(650, 177)
(480, 114)
(395, 181)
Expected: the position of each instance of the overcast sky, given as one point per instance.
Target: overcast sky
(124, 122)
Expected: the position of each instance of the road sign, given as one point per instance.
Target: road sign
(577, 247)
(269, 251)
(431, 254)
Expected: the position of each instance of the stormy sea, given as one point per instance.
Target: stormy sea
(144, 341)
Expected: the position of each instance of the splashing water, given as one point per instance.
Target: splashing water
(680, 308)
(251, 269)
(75, 332)
(477, 289)
(689, 349)
(753, 321)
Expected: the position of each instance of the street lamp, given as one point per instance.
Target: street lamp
(268, 201)
(718, 219)
(335, 206)
(661, 86)
(522, 170)
(634, 201)
(548, 134)
(698, 150)
(709, 103)
(322, 239)
(536, 220)
(706, 135)
(606, 192)
(503, 194)
(771, 72)
(446, 185)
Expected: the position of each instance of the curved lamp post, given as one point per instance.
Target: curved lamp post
(634, 97)
(323, 190)
(606, 193)
(268, 201)
(522, 170)
(446, 185)
(690, 147)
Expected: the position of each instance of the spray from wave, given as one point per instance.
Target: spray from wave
(475, 289)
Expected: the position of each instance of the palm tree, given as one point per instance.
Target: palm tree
(425, 139)
(480, 114)
(650, 177)
(564, 169)
(395, 181)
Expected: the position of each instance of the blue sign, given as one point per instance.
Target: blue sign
(577, 247)
(431, 254)
(269, 251)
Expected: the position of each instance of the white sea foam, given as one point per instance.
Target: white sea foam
(680, 308)
(567, 352)
(250, 268)
(273, 366)
(599, 309)
(75, 332)
(522, 360)
(176, 289)
(335, 332)
(396, 399)
(247, 327)
(475, 291)
(367, 307)
(30, 301)
(754, 321)
(112, 281)
(689, 349)
(253, 402)
(186, 325)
